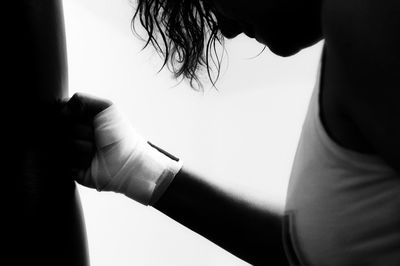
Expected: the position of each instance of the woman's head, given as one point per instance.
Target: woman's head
(187, 33)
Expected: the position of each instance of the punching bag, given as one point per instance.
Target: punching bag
(44, 222)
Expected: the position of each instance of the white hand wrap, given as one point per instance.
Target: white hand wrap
(124, 162)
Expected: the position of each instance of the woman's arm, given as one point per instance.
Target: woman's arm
(239, 225)
(242, 226)
(362, 73)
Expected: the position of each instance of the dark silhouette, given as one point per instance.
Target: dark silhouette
(44, 224)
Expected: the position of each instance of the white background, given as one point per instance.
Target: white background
(244, 135)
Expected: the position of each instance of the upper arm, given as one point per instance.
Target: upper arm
(362, 42)
(376, 113)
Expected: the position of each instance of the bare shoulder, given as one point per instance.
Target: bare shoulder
(362, 38)
(364, 31)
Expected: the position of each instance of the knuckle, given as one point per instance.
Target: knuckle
(87, 105)
(77, 97)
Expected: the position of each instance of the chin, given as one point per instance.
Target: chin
(288, 42)
(288, 47)
(284, 51)
(279, 46)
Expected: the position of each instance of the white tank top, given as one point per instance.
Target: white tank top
(343, 207)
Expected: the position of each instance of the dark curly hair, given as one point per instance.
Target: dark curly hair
(189, 35)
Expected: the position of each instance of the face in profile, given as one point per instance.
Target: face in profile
(187, 33)
(285, 26)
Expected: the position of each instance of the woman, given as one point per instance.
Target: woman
(344, 195)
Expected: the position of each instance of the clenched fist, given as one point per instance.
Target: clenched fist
(78, 115)
(108, 154)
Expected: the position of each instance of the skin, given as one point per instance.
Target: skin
(359, 107)
(236, 223)
(361, 58)
(249, 231)
(285, 27)
(360, 84)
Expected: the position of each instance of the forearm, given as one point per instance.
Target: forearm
(131, 166)
(243, 228)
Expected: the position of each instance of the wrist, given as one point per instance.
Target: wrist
(147, 177)
(174, 166)
(126, 163)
